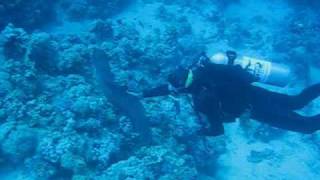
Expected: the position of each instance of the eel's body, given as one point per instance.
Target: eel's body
(126, 103)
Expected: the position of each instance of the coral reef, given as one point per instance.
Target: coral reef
(27, 14)
(43, 52)
(56, 122)
(79, 10)
(153, 163)
(14, 42)
(297, 40)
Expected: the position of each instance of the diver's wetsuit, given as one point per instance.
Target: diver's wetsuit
(224, 92)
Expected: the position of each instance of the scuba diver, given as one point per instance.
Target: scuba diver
(222, 90)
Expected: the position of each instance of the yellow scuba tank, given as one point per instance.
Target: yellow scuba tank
(265, 71)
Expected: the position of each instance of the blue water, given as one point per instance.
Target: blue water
(67, 65)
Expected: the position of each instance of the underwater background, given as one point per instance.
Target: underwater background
(65, 65)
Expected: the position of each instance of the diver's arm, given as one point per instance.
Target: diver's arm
(210, 125)
(162, 90)
(207, 106)
(242, 75)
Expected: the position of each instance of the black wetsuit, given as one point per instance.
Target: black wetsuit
(224, 92)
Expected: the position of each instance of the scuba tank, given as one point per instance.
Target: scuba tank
(265, 71)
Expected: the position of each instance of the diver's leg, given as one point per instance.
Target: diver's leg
(305, 97)
(288, 120)
(262, 96)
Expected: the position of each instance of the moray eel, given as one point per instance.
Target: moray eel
(127, 104)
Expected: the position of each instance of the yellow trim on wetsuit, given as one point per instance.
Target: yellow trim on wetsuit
(189, 79)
